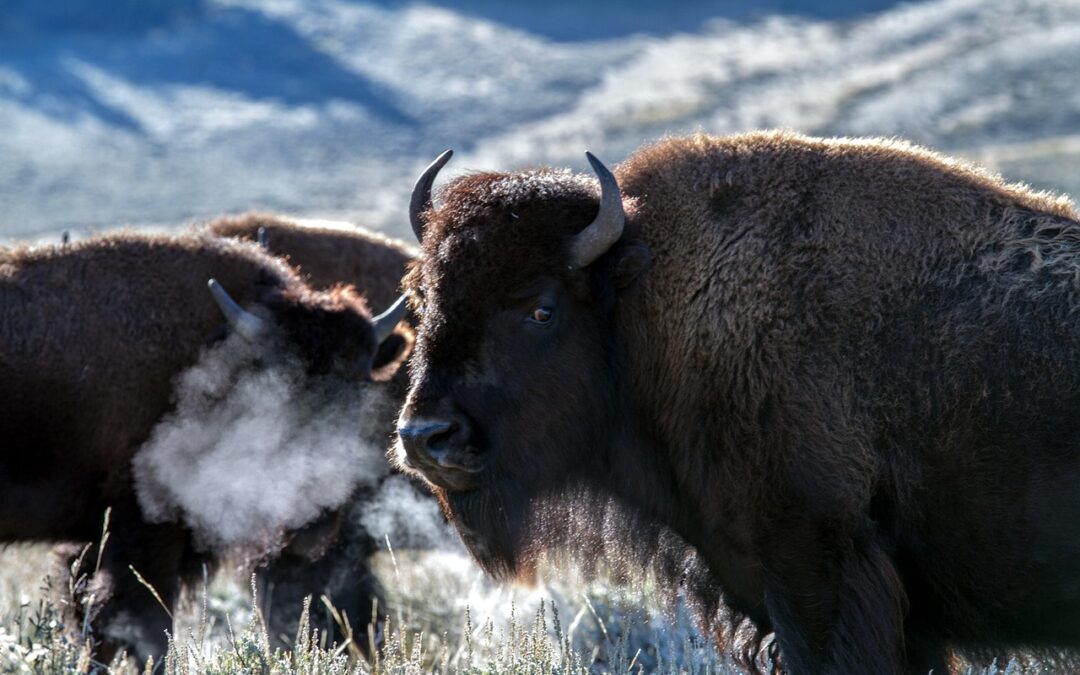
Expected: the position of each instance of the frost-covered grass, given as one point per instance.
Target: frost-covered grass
(443, 617)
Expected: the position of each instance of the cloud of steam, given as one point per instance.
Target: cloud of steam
(253, 450)
(408, 517)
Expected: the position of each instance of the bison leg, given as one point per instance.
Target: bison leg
(340, 572)
(353, 596)
(837, 607)
(127, 615)
(100, 601)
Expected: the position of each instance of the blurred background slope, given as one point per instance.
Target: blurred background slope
(149, 112)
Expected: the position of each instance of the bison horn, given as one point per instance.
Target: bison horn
(607, 227)
(421, 194)
(246, 324)
(385, 322)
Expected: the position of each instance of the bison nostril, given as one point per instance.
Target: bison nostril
(444, 439)
(440, 444)
(419, 435)
(424, 439)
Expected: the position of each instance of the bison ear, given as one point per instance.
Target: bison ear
(391, 354)
(630, 262)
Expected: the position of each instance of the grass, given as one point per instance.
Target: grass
(443, 616)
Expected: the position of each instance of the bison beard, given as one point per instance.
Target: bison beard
(491, 525)
(510, 534)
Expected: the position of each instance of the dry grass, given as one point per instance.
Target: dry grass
(444, 617)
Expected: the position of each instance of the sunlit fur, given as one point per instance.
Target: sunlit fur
(850, 381)
(325, 256)
(92, 337)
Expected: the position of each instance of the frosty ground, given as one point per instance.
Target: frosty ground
(442, 616)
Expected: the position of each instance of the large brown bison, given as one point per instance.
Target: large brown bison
(92, 338)
(846, 372)
(330, 556)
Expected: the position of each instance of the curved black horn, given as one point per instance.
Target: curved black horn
(607, 227)
(246, 324)
(385, 322)
(421, 194)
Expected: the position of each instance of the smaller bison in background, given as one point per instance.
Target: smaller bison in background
(92, 338)
(327, 256)
(846, 372)
(330, 556)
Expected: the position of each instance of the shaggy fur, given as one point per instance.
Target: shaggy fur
(326, 257)
(92, 335)
(850, 381)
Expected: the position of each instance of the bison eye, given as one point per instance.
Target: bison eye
(542, 315)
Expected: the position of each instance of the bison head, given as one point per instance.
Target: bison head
(330, 332)
(515, 398)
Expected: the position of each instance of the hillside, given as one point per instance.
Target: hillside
(162, 112)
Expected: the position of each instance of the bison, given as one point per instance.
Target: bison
(92, 337)
(330, 556)
(327, 256)
(845, 372)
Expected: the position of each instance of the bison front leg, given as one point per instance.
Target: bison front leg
(105, 601)
(341, 573)
(836, 603)
(129, 616)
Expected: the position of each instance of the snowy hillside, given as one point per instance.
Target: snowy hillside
(164, 112)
